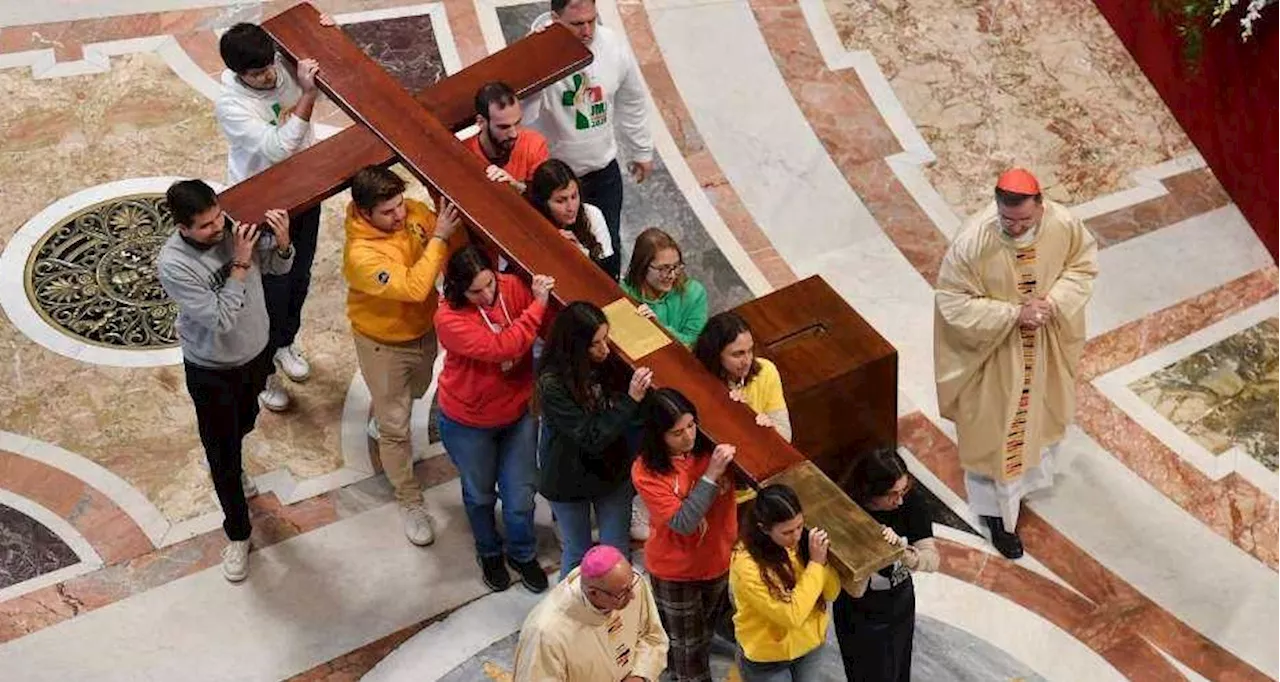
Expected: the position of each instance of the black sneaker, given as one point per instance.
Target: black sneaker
(531, 574)
(1008, 544)
(494, 572)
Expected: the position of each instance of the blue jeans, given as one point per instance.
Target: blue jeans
(573, 519)
(803, 669)
(497, 463)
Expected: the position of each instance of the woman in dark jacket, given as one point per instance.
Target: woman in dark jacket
(588, 407)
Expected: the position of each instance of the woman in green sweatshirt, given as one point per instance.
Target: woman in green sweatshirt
(656, 278)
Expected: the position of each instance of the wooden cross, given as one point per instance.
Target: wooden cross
(418, 134)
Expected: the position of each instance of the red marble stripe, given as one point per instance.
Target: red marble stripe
(1136, 339)
(109, 530)
(1123, 617)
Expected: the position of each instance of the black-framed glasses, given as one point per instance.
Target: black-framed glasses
(667, 270)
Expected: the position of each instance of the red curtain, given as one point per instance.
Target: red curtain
(1227, 105)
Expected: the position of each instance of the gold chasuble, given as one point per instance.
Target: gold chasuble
(1010, 391)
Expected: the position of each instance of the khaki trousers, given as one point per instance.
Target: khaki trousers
(397, 374)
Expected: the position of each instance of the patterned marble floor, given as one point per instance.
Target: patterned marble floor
(794, 137)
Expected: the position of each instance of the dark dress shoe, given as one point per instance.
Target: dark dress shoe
(494, 572)
(531, 575)
(1008, 544)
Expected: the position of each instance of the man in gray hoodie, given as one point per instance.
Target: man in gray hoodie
(213, 267)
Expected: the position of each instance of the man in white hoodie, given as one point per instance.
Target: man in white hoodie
(585, 115)
(265, 114)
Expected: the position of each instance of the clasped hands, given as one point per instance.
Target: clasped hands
(1036, 313)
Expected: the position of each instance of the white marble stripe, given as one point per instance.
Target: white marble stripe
(1191, 675)
(1159, 269)
(1033, 640)
(89, 560)
(1200, 577)
(15, 14)
(307, 600)
(760, 138)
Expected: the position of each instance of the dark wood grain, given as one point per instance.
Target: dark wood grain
(309, 177)
(433, 155)
(841, 376)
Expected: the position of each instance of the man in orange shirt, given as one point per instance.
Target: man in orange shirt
(511, 150)
(395, 250)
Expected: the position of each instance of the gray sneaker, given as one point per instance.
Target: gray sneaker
(235, 560)
(417, 525)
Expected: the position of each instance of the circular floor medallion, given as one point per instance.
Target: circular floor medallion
(94, 275)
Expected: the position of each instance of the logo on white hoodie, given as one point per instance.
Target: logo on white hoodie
(590, 107)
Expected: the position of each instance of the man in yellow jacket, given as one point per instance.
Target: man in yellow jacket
(395, 250)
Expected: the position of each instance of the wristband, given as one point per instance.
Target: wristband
(240, 264)
(286, 252)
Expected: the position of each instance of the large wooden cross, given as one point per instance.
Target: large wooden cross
(391, 125)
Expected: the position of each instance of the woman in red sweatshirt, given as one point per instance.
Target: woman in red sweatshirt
(693, 526)
(487, 328)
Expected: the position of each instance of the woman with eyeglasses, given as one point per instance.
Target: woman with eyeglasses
(554, 191)
(727, 349)
(487, 328)
(875, 627)
(656, 278)
(588, 407)
(781, 584)
(688, 489)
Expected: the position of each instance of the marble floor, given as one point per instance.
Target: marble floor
(794, 138)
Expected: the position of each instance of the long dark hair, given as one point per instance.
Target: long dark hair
(722, 330)
(565, 355)
(461, 271)
(662, 409)
(774, 504)
(875, 474)
(552, 176)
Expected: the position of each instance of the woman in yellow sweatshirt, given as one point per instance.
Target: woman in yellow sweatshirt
(781, 584)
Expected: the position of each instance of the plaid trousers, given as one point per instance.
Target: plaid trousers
(689, 610)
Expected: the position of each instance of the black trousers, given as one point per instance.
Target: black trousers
(603, 189)
(875, 632)
(285, 294)
(226, 408)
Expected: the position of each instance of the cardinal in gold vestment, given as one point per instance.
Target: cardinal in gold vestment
(1008, 335)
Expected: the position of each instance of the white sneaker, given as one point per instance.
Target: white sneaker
(291, 361)
(371, 429)
(235, 560)
(274, 397)
(417, 525)
(249, 485)
(639, 519)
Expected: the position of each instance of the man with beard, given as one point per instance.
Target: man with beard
(511, 150)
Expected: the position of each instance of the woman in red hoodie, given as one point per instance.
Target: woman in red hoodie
(693, 526)
(487, 328)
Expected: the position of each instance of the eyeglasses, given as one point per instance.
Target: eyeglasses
(668, 270)
(626, 592)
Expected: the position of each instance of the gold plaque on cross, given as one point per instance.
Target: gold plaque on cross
(633, 333)
(857, 547)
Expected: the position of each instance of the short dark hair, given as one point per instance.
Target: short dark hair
(494, 92)
(721, 330)
(876, 474)
(461, 270)
(1010, 199)
(246, 46)
(186, 198)
(558, 6)
(373, 185)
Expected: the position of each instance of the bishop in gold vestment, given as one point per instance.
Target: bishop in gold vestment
(1008, 335)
